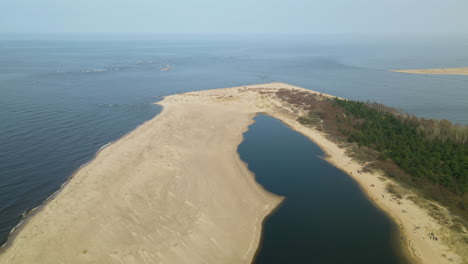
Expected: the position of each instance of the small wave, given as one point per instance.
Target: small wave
(129, 105)
(90, 70)
(96, 70)
(166, 67)
(146, 62)
(104, 146)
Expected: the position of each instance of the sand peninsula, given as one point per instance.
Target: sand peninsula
(448, 71)
(174, 190)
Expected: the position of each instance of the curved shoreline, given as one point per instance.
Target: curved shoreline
(146, 226)
(188, 199)
(32, 212)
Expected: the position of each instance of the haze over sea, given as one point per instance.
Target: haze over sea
(62, 97)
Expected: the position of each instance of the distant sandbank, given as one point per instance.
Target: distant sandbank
(449, 71)
(174, 190)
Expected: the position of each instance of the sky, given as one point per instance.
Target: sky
(234, 16)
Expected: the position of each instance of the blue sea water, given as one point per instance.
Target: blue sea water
(62, 97)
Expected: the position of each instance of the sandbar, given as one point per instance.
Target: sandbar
(448, 71)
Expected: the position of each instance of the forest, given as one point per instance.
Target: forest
(440, 159)
(429, 155)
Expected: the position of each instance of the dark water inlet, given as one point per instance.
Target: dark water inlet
(325, 217)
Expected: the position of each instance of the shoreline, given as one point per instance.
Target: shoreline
(29, 214)
(137, 155)
(448, 71)
(194, 223)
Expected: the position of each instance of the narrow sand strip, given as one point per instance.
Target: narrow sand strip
(449, 71)
(175, 191)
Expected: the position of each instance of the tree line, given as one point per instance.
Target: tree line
(430, 155)
(413, 144)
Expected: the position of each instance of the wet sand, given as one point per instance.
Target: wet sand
(175, 191)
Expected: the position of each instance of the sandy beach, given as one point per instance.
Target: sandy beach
(175, 191)
(450, 71)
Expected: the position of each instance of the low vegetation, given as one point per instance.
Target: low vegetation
(428, 155)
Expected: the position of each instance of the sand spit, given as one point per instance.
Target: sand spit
(172, 191)
(175, 191)
(450, 71)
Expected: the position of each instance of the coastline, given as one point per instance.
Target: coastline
(449, 71)
(186, 124)
(206, 213)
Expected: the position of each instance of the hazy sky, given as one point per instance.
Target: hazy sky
(234, 16)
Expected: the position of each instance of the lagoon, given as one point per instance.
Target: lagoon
(325, 217)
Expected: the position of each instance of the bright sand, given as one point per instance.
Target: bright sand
(175, 191)
(454, 71)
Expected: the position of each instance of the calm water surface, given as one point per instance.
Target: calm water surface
(63, 97)
(325, 217)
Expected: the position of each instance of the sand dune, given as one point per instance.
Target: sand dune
(175, 191)
(452, 71)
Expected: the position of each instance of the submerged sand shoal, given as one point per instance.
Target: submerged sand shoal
(175, 191)
(449, 71)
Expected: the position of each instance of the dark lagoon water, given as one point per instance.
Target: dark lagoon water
(325, 217)
(63, 97)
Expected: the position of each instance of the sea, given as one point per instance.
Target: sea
(65, 96)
